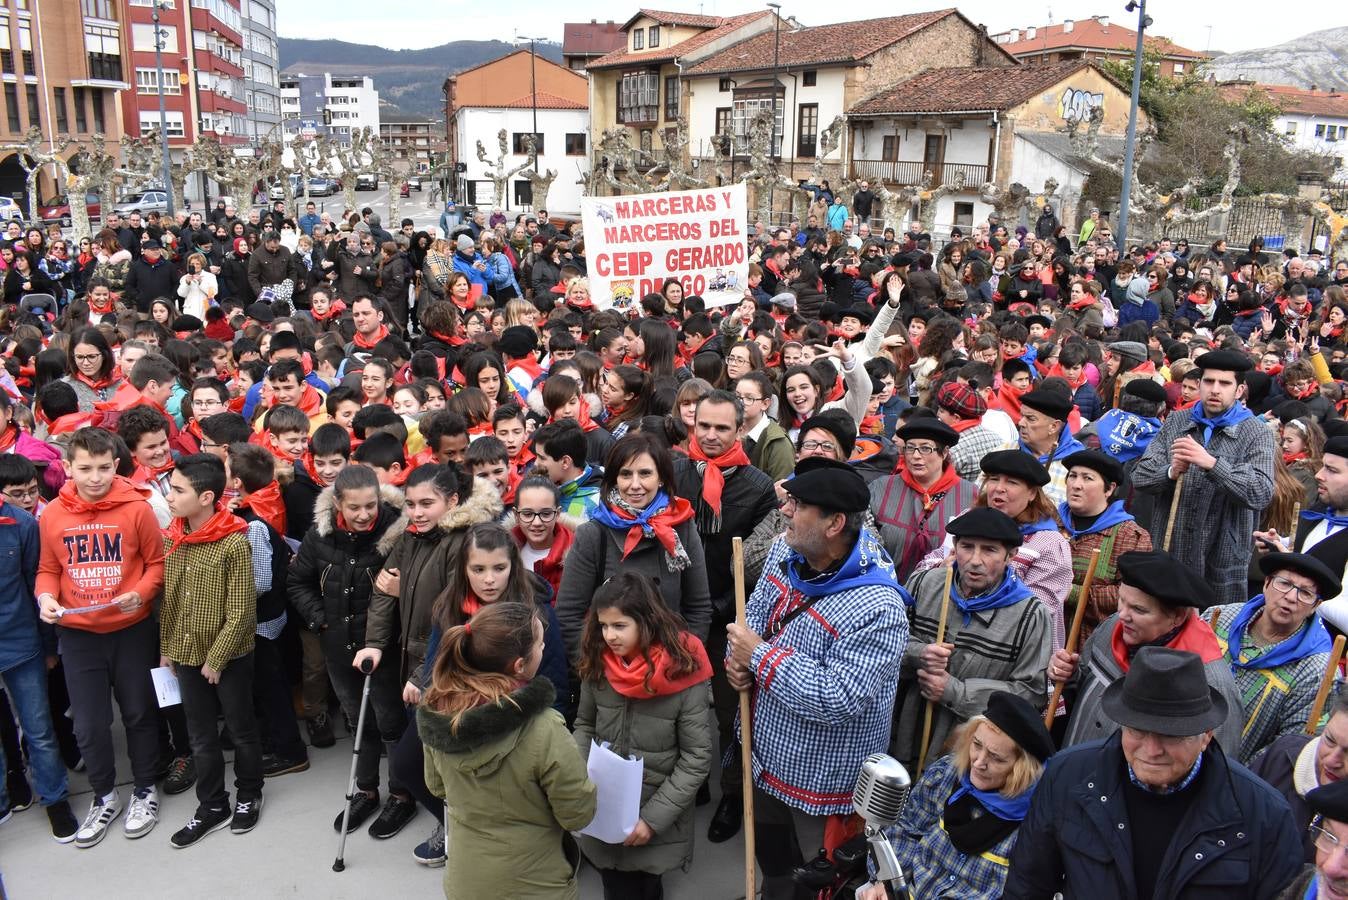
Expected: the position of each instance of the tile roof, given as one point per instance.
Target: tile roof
(545, 101)
(1293, 100)
(1090, 34)
(591, 38)
(688, 20)
(842, 42)
(969, 89)
(1059, 145)
(624, 56)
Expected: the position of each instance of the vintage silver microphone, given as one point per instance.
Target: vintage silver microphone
(882, 790)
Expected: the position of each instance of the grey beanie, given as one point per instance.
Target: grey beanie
(464, 243)
(786, 300)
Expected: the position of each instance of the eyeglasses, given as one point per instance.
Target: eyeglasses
(21, 496)
(1302, 594)
(744, 399)
(921, 449)
(812, 446)
(542, 515)
(207, 444)
(88, 357)
(1325, 840)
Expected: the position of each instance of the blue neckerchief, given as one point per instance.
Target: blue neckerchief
(604, 515)
(1011, 591)
(867, 564)
(1114, 514)
(1310, 639)
(1066, 446)
(1325, 515)
(1188, 780)
(1238, 413)
(1125, 435)
(1030, 528)
(1311, 892)
(1008, 809)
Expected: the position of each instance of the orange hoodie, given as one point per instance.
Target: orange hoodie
(93, 552)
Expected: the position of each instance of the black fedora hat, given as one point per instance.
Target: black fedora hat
(1165, 692)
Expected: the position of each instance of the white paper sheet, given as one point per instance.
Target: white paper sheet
(166, 686)
(619, 802)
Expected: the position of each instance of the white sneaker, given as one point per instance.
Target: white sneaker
(142, 813)
(101, 813)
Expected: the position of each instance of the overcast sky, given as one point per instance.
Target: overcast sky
(1232, 25)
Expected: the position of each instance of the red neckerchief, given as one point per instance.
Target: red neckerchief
(343, 525)
(311, 401)
(648, 674)
(100, 309)
(147, 475)
(713, 478)
(1289, 458)
(1195, 635)
(662, 524)
(455, 341)
(265, 440)
(964, 425)
(1306, 394)
(220, 525)
(269, 507)
(1056, 371)
(72, 422)
(583, 417)
(401, 478)
(335, 310)
(482, 429)
(470, 605)
(191, 436)
(9, 437)
(836, 392)
(513, 480)
(424, 457)
(930, 495)
(872, 425)
(307, 461)
(1007, 399)
(365, 343)
(520, 461)
(1246, 313)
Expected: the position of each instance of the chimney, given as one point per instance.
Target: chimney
(1104, 22)
(979, 57)
(1015, 35)
(1067, 26)
(1030, 33)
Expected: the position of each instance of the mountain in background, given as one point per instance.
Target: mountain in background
(409, 80)
(1318, 59)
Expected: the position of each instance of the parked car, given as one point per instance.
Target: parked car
(143, 202)
(321, 186)
(367, 182)
(278, 191)
(9, 209)
(57, 209)
(414, 183)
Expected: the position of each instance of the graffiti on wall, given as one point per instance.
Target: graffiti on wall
(1076, 105)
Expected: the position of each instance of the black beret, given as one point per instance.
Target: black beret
(1110, 469)
(1158, 574)
(260, 312)
(1336, 446)
(829, 484)
(1146, 389)
(1326, 582)
(928, 427)
(1225, 361)
(1031, 321)
(1021, 722)
(1329, 800)
(986, 522)
(900, 260)
(864, 314)
(1054, 404)
(517, 341)
(1015, 464)
(1335, 428)
(152, 244)
(837, 423)
(186, 323)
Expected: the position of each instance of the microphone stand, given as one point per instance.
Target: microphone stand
(887, 869)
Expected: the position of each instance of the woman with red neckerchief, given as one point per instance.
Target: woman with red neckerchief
(94, 374)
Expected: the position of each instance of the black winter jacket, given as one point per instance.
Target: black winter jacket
(1236, 839)
(332, 577)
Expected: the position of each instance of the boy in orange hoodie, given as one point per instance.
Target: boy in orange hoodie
(102, 565)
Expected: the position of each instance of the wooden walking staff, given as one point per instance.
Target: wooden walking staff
(940, 639)
(1174, 509)
(746, 750)
(1326, 683)
(1074, 635)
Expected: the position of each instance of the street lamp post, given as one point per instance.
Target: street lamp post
(164, 171)
(1143, 20)
(533, 94)
(776, 81)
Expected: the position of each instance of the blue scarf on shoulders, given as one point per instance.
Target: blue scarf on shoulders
(1312, 638)
(1066, 446)
(1238, 413)
(1114, 514)
(1008, 809)
(867, 564)
(1124, 435)
(1010, 592)
(1029, 528)
(1325, 515)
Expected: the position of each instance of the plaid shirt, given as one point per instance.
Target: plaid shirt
(934, 868)
(1219, 508)
(1275, 701)
(824, 686)
(974, 444)
(209, 610)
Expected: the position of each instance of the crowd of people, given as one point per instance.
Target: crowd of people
(1061, 526)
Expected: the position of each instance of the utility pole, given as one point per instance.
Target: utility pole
(164, 172)
(1143, 20)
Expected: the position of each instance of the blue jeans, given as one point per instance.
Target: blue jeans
(27, 685)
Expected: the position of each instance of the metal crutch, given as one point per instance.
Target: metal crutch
(367, 667)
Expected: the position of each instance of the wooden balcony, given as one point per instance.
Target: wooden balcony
(904, 173)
